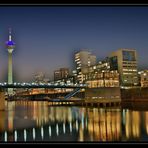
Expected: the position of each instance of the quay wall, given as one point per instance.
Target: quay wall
(134, 95)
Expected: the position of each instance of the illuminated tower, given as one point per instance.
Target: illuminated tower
(10, 46)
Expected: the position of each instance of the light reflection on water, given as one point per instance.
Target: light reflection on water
(36, 121)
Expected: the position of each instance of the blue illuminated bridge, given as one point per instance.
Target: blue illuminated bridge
(35, 85)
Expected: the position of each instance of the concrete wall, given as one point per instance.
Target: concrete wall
(104, 92)
(134, 94)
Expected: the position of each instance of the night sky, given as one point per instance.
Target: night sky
(47, 37)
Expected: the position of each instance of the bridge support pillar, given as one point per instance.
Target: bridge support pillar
(109, 104)
(85, 104)
(2, 100)
(98, 104)
(104, 104)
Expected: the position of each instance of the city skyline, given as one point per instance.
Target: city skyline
(47, 37)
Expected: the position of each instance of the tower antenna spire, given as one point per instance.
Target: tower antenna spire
(9, 34)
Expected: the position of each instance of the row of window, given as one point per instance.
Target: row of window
(129, 62)
(101, 83)
(101, 76)
(129, 70)
(124, 66)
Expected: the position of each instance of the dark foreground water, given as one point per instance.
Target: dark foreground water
(32, 121)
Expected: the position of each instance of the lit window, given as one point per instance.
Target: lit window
(94, 67)
(144, 74)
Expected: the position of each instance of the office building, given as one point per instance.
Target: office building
(83, 59)
(143, 78)
(61, 73)
(100, 75)
(125, 61)
(39, 77)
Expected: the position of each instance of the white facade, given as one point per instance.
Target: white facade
(83, 59)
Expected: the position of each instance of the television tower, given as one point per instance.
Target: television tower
(10, 46)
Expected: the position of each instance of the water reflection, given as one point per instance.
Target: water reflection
(10, 108)
(36, 121)
(50, 131)
(2, 120)
(25, 135)
(33, 133)
(5, 137)
(15, 136)
(57, 129)
(133, 124)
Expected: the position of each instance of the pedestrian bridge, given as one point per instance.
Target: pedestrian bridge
(35, 85)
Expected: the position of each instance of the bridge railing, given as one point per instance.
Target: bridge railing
(41, 85)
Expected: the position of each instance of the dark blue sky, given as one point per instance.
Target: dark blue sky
(47, 37)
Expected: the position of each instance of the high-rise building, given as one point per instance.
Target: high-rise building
(125, 61)
(100, 75)
(144, 78)
(61, 73)
(64, 72)
(83, 59)
(57, 75)
(39, 77)
(10, 46)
